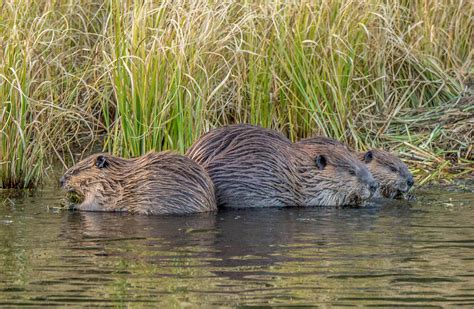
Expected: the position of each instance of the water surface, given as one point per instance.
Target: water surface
(390, 253)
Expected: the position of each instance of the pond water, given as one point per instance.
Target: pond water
(390, 253)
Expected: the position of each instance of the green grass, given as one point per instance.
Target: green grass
(138, 76)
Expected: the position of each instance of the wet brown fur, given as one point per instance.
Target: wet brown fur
(255, 167)
(156, 183)
(248, 167)
(220, 140)
(389, 171)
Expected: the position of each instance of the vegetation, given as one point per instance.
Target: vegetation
(142, 75)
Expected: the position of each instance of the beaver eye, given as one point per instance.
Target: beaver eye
(320, 162)
(101, 162)
(393, 169)
(352, 172)
(368, 156)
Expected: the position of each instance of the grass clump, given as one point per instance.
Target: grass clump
(42, 87)
(161, 73)
(145, 75)
(22, 157)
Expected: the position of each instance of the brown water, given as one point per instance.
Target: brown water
(390, 253)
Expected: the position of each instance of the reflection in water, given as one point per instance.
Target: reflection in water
(391, 253)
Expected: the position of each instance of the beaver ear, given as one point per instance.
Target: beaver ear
(320, 162)
(368, 156)
(101, 162)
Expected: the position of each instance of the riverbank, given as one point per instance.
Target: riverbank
(132, 77)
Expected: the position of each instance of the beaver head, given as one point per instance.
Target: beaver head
(335, 176)
(390, 172)
(94, 181)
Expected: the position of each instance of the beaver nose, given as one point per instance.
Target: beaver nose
(62, 180)
(373, 186)
(410, 182)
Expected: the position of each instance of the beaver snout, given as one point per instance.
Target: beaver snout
(369, 182)
(373, 186)
(405, 185)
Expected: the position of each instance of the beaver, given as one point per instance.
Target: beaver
(256, 167)
(156, 183)
(393, 176)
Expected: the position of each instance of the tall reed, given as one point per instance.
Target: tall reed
(302, 67)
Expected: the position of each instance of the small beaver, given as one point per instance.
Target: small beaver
(156, 183)
(392, 174)
(389, 171)
(256, 167)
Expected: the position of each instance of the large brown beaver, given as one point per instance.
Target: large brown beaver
(256, 167)
(393, 176)
(156, 183)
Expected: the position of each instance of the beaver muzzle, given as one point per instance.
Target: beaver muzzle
(73, 196)
(402, 190)
(373, 187)
(356, 200)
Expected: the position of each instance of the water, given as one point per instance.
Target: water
(391, 253)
